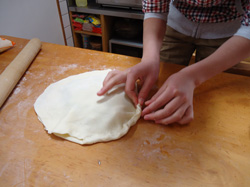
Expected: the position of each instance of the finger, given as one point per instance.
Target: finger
(115, 80)
(105, 82)
(188, 116)
(130, 88)
(175, 117)
(168, 110)
(159, 92)
(155, 96)
(146, 87)
(160, 101)
(110, 75)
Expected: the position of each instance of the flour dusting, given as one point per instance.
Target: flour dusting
(63, 69)
(17, 90)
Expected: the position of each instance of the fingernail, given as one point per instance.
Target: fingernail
(141, 101)
(99, 92)
(143, 112)
(146, 117)
(136, 102)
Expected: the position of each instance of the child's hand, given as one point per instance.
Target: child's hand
(176, 98)
(146, 72)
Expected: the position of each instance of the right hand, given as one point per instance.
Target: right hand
(147, 72)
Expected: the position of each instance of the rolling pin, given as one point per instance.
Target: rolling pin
(15, 70)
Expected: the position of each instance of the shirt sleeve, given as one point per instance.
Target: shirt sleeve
(156, 6)
(163, 16)
(244, 30)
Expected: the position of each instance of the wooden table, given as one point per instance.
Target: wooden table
(213, 150)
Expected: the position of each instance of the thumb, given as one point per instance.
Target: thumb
(146, 87)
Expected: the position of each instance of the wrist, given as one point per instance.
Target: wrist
(151, 58)
(190, 74)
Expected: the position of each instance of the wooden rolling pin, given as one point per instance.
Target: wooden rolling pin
(15, 70)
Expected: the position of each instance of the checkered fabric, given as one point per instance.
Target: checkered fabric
(246, 17)
(203, 11)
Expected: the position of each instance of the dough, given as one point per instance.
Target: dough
(71, 109)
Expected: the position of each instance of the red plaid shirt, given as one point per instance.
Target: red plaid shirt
(203, 11)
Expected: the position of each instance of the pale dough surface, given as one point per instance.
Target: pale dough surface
(71, 109)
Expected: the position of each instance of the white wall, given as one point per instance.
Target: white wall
(31, 18)
(66, 22)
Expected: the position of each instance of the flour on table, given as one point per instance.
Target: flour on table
(71, 109)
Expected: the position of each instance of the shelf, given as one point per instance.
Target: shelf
(126, 47)
(108, 11)
(89, 33)
(130, 43)
(107, 18)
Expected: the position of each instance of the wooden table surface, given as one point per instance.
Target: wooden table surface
(213, 150)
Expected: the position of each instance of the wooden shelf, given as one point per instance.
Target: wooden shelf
(106, 22)
(107, 18)
(89, 33)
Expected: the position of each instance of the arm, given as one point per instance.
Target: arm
(229, 54)
(176, 95)
(146, 71)
(154, 31)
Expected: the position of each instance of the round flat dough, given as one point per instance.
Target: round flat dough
(71, 109)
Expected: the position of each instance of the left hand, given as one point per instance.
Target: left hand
(176, 98)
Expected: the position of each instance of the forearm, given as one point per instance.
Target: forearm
(229, 54)
(153, 33)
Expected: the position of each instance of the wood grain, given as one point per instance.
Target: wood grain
(213, 150)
